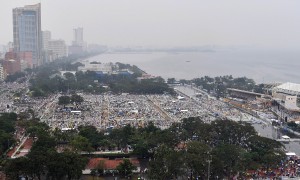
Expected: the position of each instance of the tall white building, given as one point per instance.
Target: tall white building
(27, 31)
(57, 49)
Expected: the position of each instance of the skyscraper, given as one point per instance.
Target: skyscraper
(78, 36)
(27, 31)
(78, 45)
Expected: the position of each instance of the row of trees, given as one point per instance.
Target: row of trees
(185, 148)
(7, 128)
(47, 82)
(219, 150)
(219, 84)
(14, 77)
(43, 160)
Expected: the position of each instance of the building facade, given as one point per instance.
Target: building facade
(26, 58)
(46, 38)
(57, 49)
(11, 66)
(78, 45)
(105, 68)
(27, 31)
(1, 73)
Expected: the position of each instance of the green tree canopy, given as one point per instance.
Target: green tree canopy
(125, 168)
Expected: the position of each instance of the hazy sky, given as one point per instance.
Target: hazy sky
(262, 23)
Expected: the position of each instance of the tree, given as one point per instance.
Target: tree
(40, 154)
(6, 140)
(57, 166)
(166, 164)
(171, 80)
(227, 160)
(125, 168)
(64, 100)
(76, 98)
(93, 173)
(101, 167)
(80, 143)
(197, 155)
(66, 164)
(230, 132)
(75, 163)
(265, 151)
(93, 136)
(15, 168)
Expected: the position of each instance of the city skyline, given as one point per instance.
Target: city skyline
(268, 24)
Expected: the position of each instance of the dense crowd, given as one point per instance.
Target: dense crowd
(109, 110)
(287, 169)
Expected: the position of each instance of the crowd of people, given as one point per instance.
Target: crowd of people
(287, 169)
(110, 110)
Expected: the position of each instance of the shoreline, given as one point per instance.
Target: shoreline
(170, 65)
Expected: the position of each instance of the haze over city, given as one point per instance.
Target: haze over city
(157, 89)
(262, 24)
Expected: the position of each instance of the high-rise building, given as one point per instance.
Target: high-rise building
(27, 31)
(78, 37)
(46, 36)
(78, 45)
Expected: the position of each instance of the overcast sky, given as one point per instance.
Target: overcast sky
(262, 23)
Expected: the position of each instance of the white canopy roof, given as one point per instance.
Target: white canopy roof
(285, 137)
(289, 87)
(290, 154)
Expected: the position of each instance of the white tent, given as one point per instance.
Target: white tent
(180, 97)
(285, 137)
(290, 154)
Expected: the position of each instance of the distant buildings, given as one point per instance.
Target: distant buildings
(26, 58)
(57, 48)
(15, 62)
(285, 102)
(32, 47)
(104, 68)
(286, 95)
(26, 49)
(78, 45)
(96, 48)
(1, 73)
(11, 66)
(11, 63)
(46, 38)
(53, 49)
(27, 32)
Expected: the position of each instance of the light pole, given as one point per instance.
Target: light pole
(208, 172)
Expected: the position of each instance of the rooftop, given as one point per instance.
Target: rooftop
(108, 163)
(289, 87)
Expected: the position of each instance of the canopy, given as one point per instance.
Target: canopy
(290, 154)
